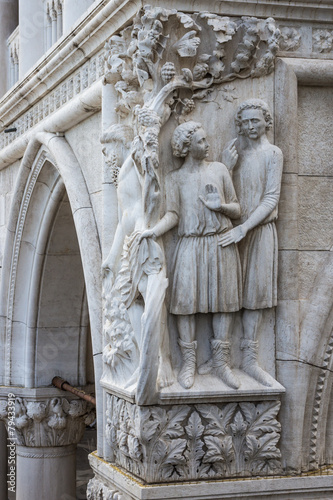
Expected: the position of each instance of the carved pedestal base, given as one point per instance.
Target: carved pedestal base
(194, 442)
(111, 483)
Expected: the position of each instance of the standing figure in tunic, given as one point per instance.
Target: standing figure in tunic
(256, 166)
(204, 277)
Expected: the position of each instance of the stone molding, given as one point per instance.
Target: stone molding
(45, 452)
(16, 250)
(55, 422)
(280, 488)
(317, 347)
(65, 92)
(71, 52)
(320, 393)
(192, 442)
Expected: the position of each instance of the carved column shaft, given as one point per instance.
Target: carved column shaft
(53, 470)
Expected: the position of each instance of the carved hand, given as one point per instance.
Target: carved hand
(212, 201)
(230, 155)
(233, 236)
(148, 233)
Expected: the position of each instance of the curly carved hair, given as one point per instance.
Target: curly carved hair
(254, 104)
(182, 136)
(123, 134)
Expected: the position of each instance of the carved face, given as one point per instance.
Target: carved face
(199, 147)
(253, 124)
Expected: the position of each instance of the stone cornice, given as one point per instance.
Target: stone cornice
(303, 10)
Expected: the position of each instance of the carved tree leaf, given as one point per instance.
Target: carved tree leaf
(159, 452)
(149, 424)
(249, 411)
(174, 455)
(134, 448)
(188, 44)
(167, 471)
(239, 425)
(186, 20)
(263, 419)
(263, 448)
(175, 417)
(218, 450)
(194, 429)
(223, 27)
(194, 451)
(218, 419)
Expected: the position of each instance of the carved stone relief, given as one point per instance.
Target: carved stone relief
(290, 39)
(160, 67)
(55, 422)
(322, 41)
(191, 442)
(96, 490)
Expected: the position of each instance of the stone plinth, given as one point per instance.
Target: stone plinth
(191, 442)
(110, 480)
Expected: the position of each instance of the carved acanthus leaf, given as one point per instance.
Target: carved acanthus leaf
(54, 422)
(187, 442)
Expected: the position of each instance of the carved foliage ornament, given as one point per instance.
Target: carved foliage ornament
(55, 422)
(166, 48)
(97, 490)
(194, 442)
(290, 39)
(322, 41)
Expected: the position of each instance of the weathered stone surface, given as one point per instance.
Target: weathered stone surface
(315, 213)
(314, 135)
(96, 118)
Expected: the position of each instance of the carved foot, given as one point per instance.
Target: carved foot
(259, 374)
(206, 368)
(165, 375)
(221, 363)
(227, 376)
(187, 372)
(250, 363)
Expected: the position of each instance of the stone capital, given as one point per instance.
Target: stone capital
(45, 423)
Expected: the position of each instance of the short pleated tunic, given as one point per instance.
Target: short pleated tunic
(204, 277)
(257, 181)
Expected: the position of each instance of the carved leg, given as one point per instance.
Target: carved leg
(186, 374)
(222, 327)
(250, 363)
(188, 346)
(221, 363)
(251, 323)
(165, 371)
